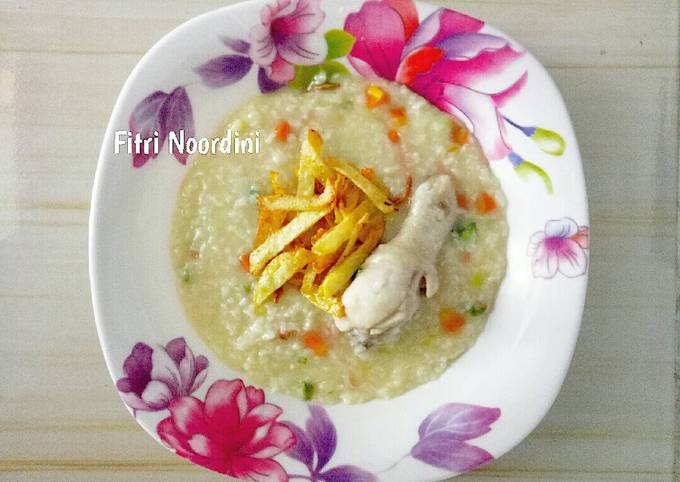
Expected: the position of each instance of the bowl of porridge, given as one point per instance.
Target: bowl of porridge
(327, 234)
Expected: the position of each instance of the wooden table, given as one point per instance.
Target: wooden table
(61, 67)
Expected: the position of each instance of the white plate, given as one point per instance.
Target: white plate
(488, 400)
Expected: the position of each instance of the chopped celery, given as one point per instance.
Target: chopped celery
(308, 389)
(478, 279)
(464, 231)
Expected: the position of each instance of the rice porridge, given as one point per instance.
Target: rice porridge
(290, 345)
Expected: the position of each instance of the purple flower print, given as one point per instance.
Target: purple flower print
(227, 69)
(443, 437)
(236, 44)
(446, 57)
(145, 121)
(320, 438)
(224, 70)
(161, 113)
(155, 377)
(287, 37)
(235, 432)
(561, 247)
(265, 83)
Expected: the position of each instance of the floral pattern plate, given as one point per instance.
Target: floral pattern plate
(490, 398)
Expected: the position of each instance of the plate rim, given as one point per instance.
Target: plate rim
(102, 163)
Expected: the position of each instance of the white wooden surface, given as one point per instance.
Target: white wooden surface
(61, 67)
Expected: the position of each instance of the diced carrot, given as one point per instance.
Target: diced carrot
(466, 256)
(398, 115)
(485, 203)
(282, 130)
(451, 320)
(394, 136)
(376, 96)
(245, 261)
(459, 134)
(314, 341)
(462, 201)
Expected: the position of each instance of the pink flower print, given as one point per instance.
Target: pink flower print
(287, 37)
(234, 432)
(445, 58)
(560, 248)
